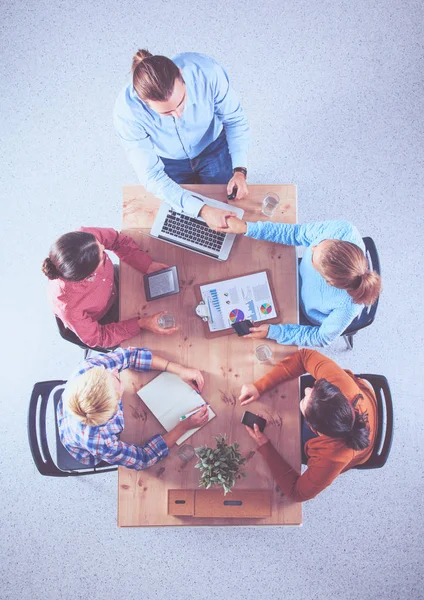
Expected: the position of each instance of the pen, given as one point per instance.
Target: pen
(193, 412)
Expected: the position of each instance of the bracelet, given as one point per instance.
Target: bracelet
(166, 366)
(240, 170)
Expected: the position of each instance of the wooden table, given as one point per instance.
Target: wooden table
(226, 362)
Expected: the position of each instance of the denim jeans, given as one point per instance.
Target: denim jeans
(213, 165)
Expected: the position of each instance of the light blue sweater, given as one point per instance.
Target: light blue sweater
(330, 308)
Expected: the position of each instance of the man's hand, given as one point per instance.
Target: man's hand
(198, 419)
(151, 324)
(239, 180)
(193, 377)
(215, 217)
(156, 266)
(258, 333)
(248, 394)
(256, 434)
(234, 225)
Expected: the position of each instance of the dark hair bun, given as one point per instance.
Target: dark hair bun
(49, 269)
(139, 57)
(358, 437)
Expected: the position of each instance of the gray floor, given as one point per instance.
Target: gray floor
(332, 91)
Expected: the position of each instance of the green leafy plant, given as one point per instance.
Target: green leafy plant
(220, 465)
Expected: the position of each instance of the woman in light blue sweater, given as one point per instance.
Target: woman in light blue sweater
(335, 280)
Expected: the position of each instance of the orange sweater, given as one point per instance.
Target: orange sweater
(327, 457)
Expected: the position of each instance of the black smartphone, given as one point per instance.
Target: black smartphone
(242, 327)
(233, 193)
(250, 419)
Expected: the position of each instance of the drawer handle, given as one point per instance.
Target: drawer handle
(233, 502)
(180, 501)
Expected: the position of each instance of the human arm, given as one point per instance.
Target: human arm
(110, 335)
(306, 234)
(193, 377)
(320, 473)
(122, 245)
(306, 361)
(216, 218)
(248, 393)
(116, 452)
(142, 359)
(229, 111)
(234, 225)
(197, 420)
(112, 450)
(148, 165)
(321, 336)
(95, 335)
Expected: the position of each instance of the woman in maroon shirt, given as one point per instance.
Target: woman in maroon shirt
(82, 290)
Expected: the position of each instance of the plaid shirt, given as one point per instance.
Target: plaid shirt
(92, 444)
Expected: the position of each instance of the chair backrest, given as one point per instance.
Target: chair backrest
(70, 336)
(384, 435)
(43, 393)
(368, 313)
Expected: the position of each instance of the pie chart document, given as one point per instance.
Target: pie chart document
(234, 300)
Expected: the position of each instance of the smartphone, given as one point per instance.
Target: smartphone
(250, 419)
(242, 327)
(233, 193)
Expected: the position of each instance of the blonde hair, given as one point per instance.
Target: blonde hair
(154, 76)
(345, 266)
(92, 397)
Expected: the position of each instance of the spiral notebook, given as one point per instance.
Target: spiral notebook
(168, 397)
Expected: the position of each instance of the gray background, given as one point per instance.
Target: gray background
(332, 91)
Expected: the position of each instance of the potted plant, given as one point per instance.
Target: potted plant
(220, 465)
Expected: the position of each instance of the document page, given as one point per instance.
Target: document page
(233, 300)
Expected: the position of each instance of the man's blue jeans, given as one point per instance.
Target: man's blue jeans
(213, 165)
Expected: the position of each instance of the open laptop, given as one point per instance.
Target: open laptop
(192, 232)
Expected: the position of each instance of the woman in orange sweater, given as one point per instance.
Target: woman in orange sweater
(339, 415)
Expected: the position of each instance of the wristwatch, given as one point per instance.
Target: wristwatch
(240, 170)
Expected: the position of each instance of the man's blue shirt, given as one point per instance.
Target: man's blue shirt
(211, 104)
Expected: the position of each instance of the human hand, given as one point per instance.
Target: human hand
(199, 418)
(193, 377)
(256, 434)
(151, 324)
(234, 225)
(215, 217)
(258, 333)
(238, 180)
(248, 394)
(156, 266)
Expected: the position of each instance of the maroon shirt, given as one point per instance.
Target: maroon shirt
(81, 304)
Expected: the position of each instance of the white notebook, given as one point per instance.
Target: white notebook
(168, 397)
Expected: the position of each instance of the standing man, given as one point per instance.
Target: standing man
(181, 122)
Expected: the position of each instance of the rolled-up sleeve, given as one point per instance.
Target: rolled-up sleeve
(115, 452)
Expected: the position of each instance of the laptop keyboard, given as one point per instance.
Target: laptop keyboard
(192, 230)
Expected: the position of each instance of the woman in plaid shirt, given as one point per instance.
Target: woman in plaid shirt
(90, 414)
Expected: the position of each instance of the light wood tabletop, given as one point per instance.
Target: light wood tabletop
(226, 362)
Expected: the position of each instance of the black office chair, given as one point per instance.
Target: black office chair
(384, 436)
(367, 315)
(65, 465)
(70, 336)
